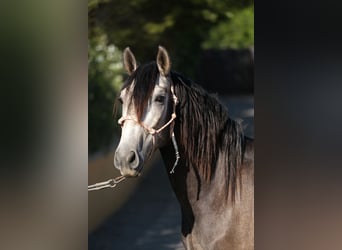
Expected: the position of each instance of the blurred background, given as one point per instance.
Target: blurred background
(43, 125)
(211, 42)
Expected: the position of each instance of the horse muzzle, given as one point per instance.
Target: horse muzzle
(128, 163)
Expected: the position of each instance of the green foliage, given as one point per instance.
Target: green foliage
(104, 80)
(181, 26)
(235, 32)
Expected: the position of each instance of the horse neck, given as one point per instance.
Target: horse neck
(186, 181)
(180, 181)
(188, 184)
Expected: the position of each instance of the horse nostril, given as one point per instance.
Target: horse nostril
(132, 159)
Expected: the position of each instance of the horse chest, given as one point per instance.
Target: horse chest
(208, 230)
(216, 229)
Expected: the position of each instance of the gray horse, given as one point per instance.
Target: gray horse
(210, 163)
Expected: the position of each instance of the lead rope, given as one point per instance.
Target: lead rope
(176, 151)
(174, 142)
(111, 183)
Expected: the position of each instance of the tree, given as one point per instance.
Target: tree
(180, 26)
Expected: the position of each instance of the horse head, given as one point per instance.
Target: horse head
(148, 111)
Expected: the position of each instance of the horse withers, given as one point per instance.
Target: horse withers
(210, 163)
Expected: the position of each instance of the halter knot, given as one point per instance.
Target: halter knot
(121, 120)
(152, 131)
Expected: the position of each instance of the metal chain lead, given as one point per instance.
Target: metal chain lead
(111, 183)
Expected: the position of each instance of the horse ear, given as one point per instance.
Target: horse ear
(163, 61)
(129, 61)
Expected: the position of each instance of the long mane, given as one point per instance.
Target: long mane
(205, 130)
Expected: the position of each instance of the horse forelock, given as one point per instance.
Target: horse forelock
(141, 83)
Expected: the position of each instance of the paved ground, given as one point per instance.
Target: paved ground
(151, 217)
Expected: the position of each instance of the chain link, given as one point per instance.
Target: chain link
(111, 183)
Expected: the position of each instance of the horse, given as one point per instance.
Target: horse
(209, 161)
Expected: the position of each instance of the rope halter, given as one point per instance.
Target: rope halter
(155, 132)
(111, 183)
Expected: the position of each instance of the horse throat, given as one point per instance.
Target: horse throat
(181, 182)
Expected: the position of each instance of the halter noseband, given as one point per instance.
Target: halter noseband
(154, 132)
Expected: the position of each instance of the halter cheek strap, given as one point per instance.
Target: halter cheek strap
(154, 132)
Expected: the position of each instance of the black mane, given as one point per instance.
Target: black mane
(206, 131)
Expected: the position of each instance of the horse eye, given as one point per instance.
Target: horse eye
(160, 99)
(120, 100)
